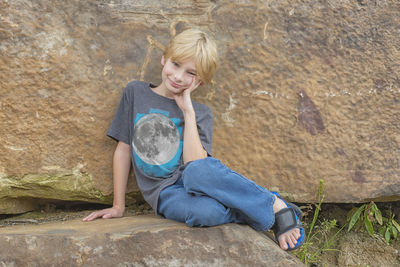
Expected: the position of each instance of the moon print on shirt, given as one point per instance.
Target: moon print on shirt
(156, 139)
(156, 143)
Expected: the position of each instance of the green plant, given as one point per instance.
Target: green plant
(308, 253)
(390, 228)
(370, 215)
(367, 213)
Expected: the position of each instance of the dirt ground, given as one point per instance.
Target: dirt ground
(330, 244)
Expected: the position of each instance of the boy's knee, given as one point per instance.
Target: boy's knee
(202, 168)
(197, 164)
(194, 171)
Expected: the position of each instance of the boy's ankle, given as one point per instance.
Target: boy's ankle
(278, 204)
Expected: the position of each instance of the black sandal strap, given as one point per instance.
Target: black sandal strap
(298, 211)
(285, 220)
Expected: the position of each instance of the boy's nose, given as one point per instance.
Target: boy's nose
(178, 76)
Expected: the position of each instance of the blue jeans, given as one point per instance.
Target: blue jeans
(209, 194)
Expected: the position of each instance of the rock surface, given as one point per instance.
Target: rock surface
(138, 241)
(306, 90)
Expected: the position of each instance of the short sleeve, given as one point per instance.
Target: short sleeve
(119, 129)
(205, 127)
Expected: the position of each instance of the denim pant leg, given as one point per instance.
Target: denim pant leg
(195, 210)
(250, 202)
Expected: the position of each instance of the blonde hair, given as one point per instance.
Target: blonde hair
(197, 45)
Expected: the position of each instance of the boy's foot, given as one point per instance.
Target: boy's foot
(289, 239)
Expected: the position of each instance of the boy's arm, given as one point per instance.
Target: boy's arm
(192, 146)
(121, 167)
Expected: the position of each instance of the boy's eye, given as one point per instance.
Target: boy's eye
(192, 73)
(176, 64)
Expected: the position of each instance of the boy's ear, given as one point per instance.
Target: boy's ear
(162, 60)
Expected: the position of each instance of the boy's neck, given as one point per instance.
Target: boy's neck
(160, 90)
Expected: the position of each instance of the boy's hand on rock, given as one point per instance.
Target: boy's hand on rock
(105, 214)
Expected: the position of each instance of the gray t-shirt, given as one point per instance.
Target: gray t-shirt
(153, 126)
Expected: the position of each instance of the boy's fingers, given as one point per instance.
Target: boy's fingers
(193, 87)
(195, 83)
(91, 216)
(87, 217)
(105, 214)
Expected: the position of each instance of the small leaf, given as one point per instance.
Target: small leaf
(382, 231)
(396, 225)
(387, 235)
(394, 232)
(368, 225)
(374, 207)
(351, 213)
(355, 217)
(359, 224)
(378, 216)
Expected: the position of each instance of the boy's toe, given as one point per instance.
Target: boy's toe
(298, 234)
(283, 245)
(293, 238)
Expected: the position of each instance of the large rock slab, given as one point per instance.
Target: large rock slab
(138, 241)
(306, 90)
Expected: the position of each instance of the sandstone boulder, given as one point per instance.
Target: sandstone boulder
(138, 241)
(306, 90)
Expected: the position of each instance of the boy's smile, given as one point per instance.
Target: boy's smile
(175, 85)
(176, 77)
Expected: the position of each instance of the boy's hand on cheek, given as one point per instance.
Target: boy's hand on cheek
(183, 100)
(195, 83)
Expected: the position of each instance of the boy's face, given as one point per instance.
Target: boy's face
(178, 75)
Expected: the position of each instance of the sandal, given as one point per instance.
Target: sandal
(287, 219)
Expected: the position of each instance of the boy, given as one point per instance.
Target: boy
(168, 137)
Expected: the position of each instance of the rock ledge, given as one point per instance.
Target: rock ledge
(138, 241)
